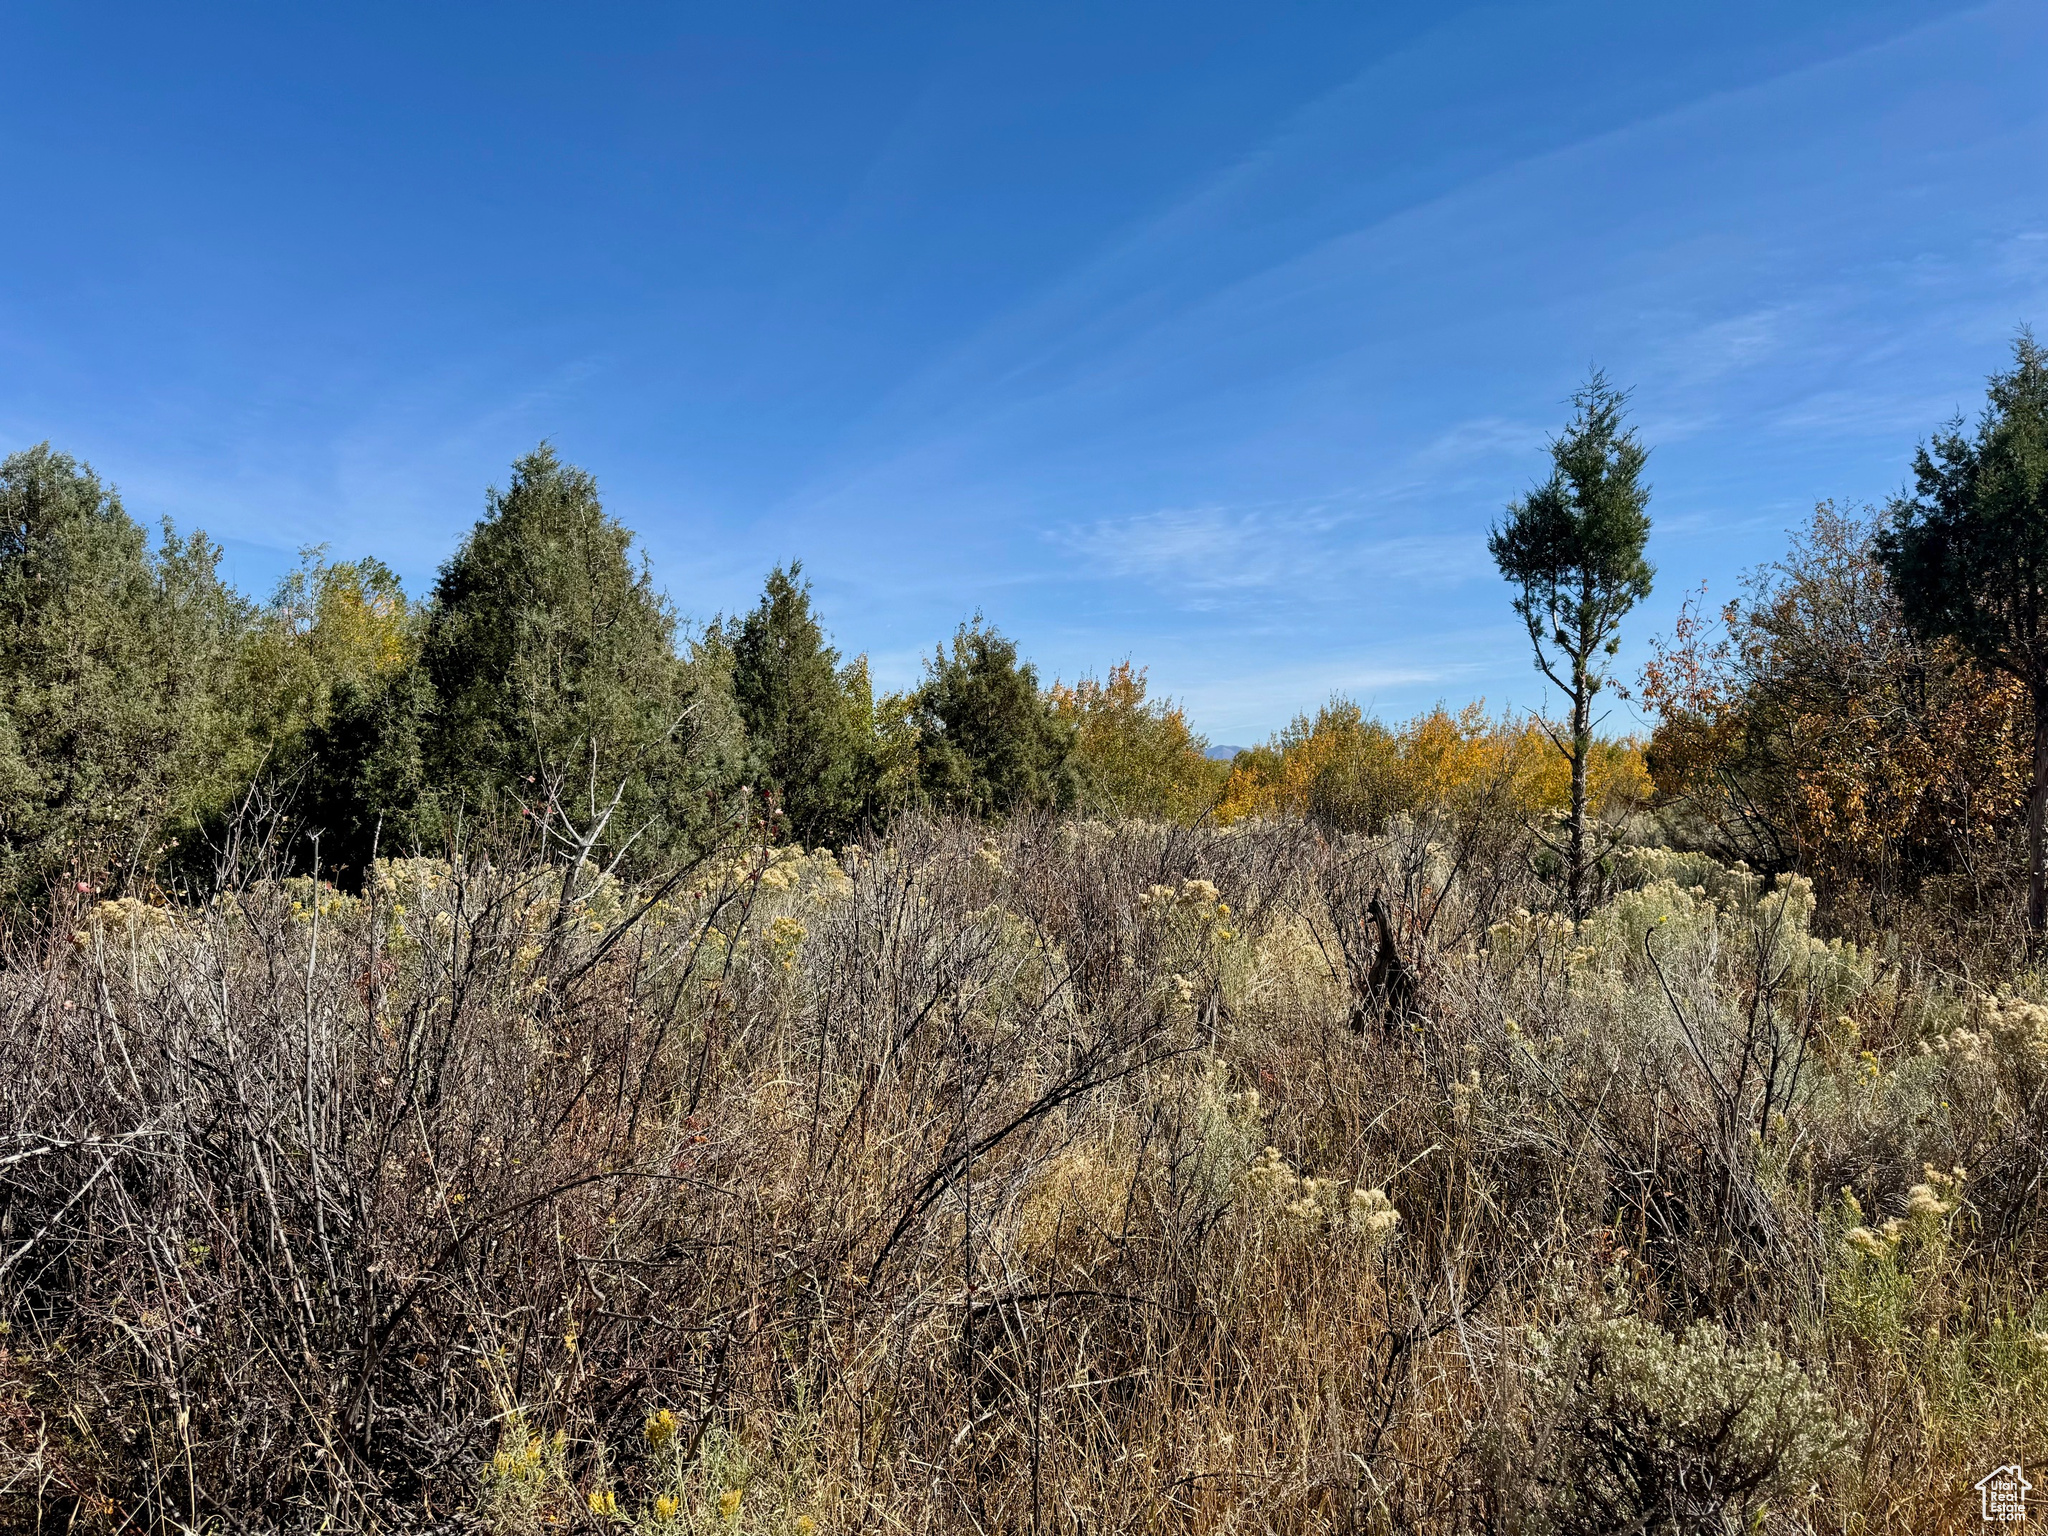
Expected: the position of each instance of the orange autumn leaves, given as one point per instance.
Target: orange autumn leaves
(1139, 756)
(1804, 726)
(1354, 771)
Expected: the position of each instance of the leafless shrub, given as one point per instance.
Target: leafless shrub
(967, 1179)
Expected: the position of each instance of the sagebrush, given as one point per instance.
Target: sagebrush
(1032, 1178)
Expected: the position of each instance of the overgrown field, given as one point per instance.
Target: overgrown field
(1066, 1177)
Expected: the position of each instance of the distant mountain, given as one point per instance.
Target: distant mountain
(1223, 754)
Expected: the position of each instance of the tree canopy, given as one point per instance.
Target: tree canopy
(809, 720)
(1968, 550)
(1135, 756)
(988, 741)
(330, 627)
(118, 728)
(546, 682)
(1573, 546)
(1967, 553)
(1573, 549)
(555, 678)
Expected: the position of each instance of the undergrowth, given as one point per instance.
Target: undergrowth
(1033, 1180)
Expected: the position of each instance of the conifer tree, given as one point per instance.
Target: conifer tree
(365, 788)
(554, 673)
(809, 721)
(1573, 548)
(118, 731)
(1968, 556)
(989, 742)
(548, 680)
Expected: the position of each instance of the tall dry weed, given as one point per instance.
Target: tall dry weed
(1019, 1181)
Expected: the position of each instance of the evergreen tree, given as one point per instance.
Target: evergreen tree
(548, 679)
(366, 777)
(118, 730)
(989, 742)
(809, 721)
(1968, 557)
(1574, 548)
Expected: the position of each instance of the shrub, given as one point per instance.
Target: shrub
(973, 1173)
(1640, 1430)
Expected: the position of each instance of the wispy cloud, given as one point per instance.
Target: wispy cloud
(1722, 347)
(1207, 554)
(1393, 679)
(1482, 439)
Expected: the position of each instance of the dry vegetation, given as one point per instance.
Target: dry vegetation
(1027, 1180)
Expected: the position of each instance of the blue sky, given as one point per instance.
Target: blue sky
(1211, 335)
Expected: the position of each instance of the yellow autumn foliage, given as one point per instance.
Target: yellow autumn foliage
(1136, 756)
(329, 625)
(1350, 768)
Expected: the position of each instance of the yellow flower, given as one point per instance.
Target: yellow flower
(660, 1428)
(729, 1504)
(805, 1525)
(665, 1507)
(604, 1502)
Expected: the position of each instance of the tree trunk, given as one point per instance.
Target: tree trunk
(1582, 733)
(2037, 815)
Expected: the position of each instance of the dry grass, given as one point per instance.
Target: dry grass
(928, 1189)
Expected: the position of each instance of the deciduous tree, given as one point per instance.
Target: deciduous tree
(1805, 726)
(1136, 756)
(330, 626)
(1968, 556)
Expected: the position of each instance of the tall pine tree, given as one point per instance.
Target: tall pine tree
(1573, 548)
(809, 720)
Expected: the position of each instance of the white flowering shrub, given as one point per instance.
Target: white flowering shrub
(1306, 1205)
(1997, 1058)
(1641, 1430)
(979, 1172)
(1227, 1132)
(1899, 1289)
(1680, 921)
(132, 929)
(1647, 865)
